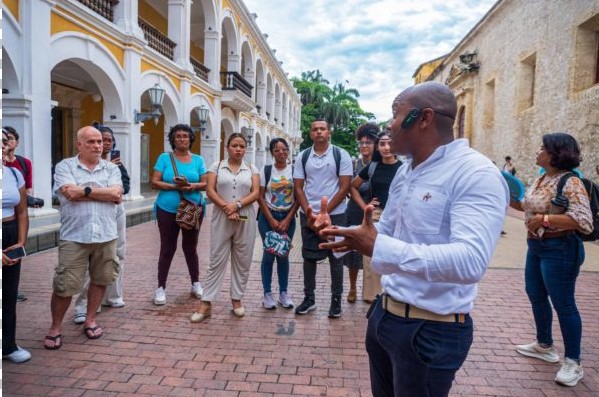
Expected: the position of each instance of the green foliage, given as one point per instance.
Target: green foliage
(337, 104)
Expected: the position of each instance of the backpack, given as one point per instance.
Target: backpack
(593, 193)
(336, 155)
(23, 164)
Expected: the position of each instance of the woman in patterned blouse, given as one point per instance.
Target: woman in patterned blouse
(555, 253)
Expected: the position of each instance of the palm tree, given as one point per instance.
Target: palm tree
(337, 109)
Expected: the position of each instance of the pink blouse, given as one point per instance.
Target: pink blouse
(538, 200)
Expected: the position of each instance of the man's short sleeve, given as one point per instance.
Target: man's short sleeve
(298, 168)
(63, 176)
(114, 177)
(346, 168)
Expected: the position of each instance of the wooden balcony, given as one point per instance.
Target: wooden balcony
(200, 70)
(101, 7)
(157, 40)
(237, 92)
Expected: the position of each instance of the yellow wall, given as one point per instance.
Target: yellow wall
(153, 17)
(13, 7)
(146, 66)
(197, 53)
(91, 111)
(427, 69)
(156, 133)
(60, 24)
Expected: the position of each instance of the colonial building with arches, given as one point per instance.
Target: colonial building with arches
(526, 69)
(68, 63)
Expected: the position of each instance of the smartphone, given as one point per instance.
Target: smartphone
(115, 154)
(16, 253)
(243, 217)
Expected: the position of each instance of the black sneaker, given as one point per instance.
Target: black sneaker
(21, 297)
(306, 306)
(335, 309)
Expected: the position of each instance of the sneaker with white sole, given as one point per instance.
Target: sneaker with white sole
(18, 356)
(160, 297)
(80, 318)
(570, 373)
(306, 306)
(535, 350)
(197, 290)
(285, 300)
(268, 302)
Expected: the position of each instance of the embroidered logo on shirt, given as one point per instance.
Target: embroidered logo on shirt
(427, 197)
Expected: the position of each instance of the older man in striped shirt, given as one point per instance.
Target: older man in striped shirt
(89, 190)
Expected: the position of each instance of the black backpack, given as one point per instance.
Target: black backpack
(593, 192)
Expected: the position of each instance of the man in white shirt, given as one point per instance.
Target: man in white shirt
(326, 171)
(432, 245)
(89, 190)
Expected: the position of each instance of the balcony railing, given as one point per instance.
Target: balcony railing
(157, 40)
(200, 70)
(234, 81)
(102, 7)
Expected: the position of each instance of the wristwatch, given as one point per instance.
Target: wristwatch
(545, 222)
(87, 191)
(238, 204)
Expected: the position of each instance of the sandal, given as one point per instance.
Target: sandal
(54, 339)
(93, 330)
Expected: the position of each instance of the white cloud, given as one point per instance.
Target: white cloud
(376, 45)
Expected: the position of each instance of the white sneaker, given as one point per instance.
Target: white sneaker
(535, 350)
(160, 297)
(285, 300)
(80, 318)
(570, 373)
(18, 356)
(269, 302)
(197, 290)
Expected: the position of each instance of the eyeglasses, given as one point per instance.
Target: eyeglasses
(365, 143)
(5, 141)
(182, 137)
(12, 138)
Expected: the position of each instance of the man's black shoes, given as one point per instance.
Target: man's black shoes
(335, 309)
(306, 306)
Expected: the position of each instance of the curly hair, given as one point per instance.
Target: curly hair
(184, 128)
(273, 143)
(563, 150)
(370, 130)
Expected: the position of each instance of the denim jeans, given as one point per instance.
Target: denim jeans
(269, 259)
(414, 358)
(552, 266)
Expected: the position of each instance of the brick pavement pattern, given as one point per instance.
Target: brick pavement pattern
(154, 350)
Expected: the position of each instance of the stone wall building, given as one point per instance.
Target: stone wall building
(67, 63)
(529, 67)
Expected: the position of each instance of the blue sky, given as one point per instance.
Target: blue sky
(375, 45)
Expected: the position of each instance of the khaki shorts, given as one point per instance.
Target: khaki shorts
(74, 259)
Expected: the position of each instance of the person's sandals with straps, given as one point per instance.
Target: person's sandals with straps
(93, 332)
(56, 342)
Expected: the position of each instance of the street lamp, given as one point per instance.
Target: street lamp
(202, 113)
(156, 97)
(249, 135)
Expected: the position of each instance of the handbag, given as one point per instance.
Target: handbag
(277, 244)
(188, 214)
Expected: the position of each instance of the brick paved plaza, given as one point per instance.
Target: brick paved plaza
(151, 350)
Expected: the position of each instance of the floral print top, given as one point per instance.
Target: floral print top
(538, 200)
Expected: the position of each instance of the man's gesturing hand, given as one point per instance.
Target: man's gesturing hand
(319, 221)
(359, 238)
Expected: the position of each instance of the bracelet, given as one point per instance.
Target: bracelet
(238, 205)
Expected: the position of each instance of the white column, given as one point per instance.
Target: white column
(36, 126)
(179, 30)
(211, 146)
(261, 98)
(129, 133)
(212, 57)
(233, 62)
(126, 17)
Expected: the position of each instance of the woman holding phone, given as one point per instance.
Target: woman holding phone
(192, 178)
(15, 225)
(233, 186)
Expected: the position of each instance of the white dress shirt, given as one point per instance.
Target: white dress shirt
(439, 229)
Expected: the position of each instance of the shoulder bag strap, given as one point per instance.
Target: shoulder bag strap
(176, 172)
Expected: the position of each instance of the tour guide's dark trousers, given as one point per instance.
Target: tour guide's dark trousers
(312, 255)
(412, 357)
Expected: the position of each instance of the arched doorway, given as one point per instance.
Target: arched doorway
(461, 121)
